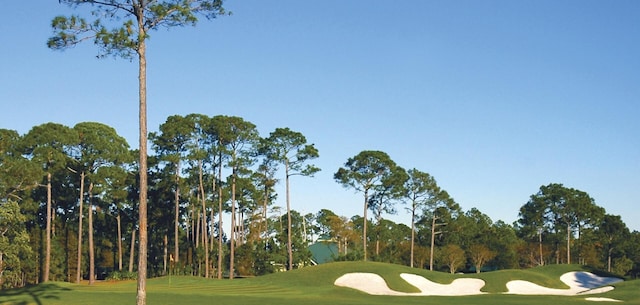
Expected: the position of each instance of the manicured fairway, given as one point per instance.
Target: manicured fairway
(312, 285)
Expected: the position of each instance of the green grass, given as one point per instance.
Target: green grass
(312, 285)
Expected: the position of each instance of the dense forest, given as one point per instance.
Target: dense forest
(68, 209)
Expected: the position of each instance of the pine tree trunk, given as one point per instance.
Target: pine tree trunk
(568, 244)
(176, 244)
(264, 212)
(205, 237)
(132, 251)
(233, 223)
(47, 259)
(92, 262)
(364, 230)
(609, 256)
(212, 217)
(540, 246)
(197, 231)
(433, 237)
(413, 231)
(220, 220)
(119, 242)
(164, 258)
(289, 245)
(141, 295)
(79, 262)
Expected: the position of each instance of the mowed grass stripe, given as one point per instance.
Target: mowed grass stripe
(213, 286)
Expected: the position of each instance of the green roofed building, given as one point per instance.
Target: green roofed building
(323, 251)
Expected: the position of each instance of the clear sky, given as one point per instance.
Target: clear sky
(492, 98)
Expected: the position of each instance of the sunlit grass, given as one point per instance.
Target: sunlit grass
(311, 285)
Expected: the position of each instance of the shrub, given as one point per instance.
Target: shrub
(122, 276)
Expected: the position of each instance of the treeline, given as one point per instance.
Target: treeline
(68, 209)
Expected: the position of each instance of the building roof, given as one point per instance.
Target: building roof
(323, 251)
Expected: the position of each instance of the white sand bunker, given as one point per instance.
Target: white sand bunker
(372, 283)
(602, 300)
(578, 282)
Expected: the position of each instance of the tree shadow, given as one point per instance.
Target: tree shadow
(591, 280)
(32, 294)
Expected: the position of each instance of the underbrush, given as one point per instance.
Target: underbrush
(122, 276)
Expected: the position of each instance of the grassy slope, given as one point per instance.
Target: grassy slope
(312, 285)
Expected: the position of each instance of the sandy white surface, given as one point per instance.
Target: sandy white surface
(370, 283)
(579, 283)
(457, 287)
(602, 300)
(374, 284)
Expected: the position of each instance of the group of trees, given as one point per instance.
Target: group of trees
(203, 167)
(555, 220)
(568, 226)
(69, 198)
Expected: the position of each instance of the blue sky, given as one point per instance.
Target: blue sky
(492, 98)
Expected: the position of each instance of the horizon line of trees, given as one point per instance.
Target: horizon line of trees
(68, 209)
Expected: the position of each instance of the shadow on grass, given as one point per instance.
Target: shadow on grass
(32, 295)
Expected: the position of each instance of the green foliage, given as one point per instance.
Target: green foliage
(122, 276)
(453, 257)
(365, 171)
(291, 149)
(555, 213)
(17, 173)
(373, 173)
(14, 245)
(622, 265)
(138, 19)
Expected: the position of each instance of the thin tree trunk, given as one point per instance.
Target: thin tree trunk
(192, 217)
(79, 262)
(119, 242)
(197, 230)
(540, 240)
(609, 258)
(241, 230)
(233, 222)
(132, 251)
(413, 230)
(141, 295)
(289, 245)
(212, 217)
(579, 244)
(304, 230)
(164, 258)
(264, 212)
(92, 262)
(53, 221)
(176, 244)
(205, 245)
(433, 237)
(47, 259)
(193, 238)
(364, 230)
(205, 237)
(220, 219)
(568, 244)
